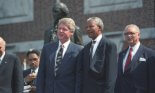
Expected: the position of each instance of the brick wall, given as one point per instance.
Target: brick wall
(114, 21)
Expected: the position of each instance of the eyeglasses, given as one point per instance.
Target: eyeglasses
(130, 33)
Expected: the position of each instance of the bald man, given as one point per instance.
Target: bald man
(11, 76)
(132, 68)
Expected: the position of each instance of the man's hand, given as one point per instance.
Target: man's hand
(30, 77)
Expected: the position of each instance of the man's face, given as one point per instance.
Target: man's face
(132, 36)
(33, 60)
(64, 33)
(2, 48)
(92, 29)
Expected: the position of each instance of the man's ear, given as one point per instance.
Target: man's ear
(72, 33)
(99, 27)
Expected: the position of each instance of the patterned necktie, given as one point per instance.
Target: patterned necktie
(128, 59)
(58, 59)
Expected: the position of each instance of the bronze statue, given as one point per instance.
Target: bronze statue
(60, 10)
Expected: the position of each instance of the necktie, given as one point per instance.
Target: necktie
(91, 49)
(128, 59)
(33, 70)
(91, 57)
(58, 59)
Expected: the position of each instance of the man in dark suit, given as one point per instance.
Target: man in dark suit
(11, 76)
(98, 60)
(132, 68)
(151, 74)
(33, 59)
(57, 70)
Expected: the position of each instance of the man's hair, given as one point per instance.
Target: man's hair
(69, 22)
(37, 52)
(98, 22)
(133, 26)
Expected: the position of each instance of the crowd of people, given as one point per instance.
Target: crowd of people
(66, 67)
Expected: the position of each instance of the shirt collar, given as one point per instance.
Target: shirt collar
(135, 47)
(98, 38)
(36, 70)
(1, 58)
(65, 44)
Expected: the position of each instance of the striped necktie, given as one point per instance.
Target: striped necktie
(58, 58)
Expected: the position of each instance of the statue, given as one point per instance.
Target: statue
(60, 10)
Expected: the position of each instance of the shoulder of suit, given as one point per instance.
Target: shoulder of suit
(123, 51)
(148, 50)
(87, 45)
(11, 55)
(107, 41)
(144, 48)
(76, 45)
(51, 44)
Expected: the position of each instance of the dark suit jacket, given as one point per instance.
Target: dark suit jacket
(151, 74)
(64, 81)
(105, 59)
(134, 79)
(11, 76)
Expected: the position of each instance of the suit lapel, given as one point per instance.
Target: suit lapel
(135, 58)
(4, 61)
(99, 56)
(87, 52)
(100, 51)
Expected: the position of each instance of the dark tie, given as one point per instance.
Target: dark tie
(128, 59)
(0, 61)
(91, 56)
(59, 58)
(91, 49)
(33, 70)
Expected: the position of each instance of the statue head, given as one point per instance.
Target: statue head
(60, 10)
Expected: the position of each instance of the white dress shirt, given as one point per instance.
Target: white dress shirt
(135, 48)
(65, 46)
(97, 41)
(1, 58)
